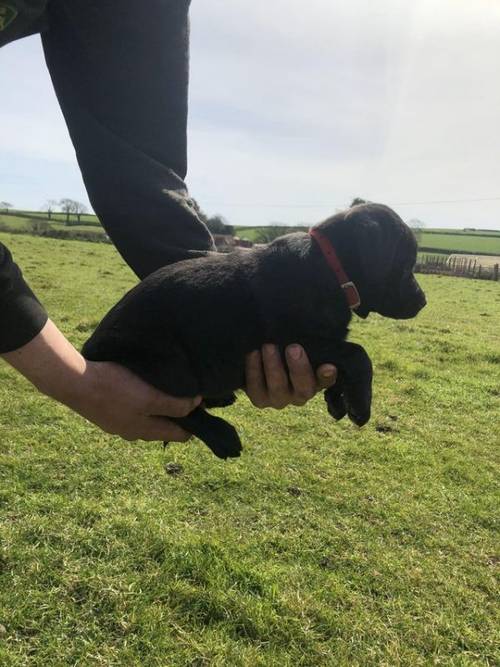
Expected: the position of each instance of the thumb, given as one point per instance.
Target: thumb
(326, 376)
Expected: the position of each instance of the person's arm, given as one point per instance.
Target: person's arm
(106, 394)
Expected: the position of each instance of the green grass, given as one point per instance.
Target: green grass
(323, 545)
(252, 233)
(461, 242)
(77, 228)
(88, 218)
(84, 218)
(463, 232)
(15, 222)
(57, 220)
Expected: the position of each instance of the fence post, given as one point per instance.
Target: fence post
(495, 272)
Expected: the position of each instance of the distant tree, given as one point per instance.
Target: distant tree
(70, 206)
(50, 206)
(80, 209)
(217, 224)
(417, 227)
(66, 206)
(5, 205)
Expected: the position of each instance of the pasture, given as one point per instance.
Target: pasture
(323, 545)
(487, 242)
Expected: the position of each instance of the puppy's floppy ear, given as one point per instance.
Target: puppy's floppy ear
(372, 242)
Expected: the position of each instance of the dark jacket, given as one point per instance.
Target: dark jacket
(21, 315)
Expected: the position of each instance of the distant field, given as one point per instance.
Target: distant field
(251, 233)
(485, 242)
(14, 223)
(430, 240)
(325, 545)
(469, 232)
(84, 218)
(470, 243)
(79, 228)
(19, 223)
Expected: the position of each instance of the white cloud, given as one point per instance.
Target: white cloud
(392, 100)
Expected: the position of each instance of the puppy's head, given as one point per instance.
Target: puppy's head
(378, 252)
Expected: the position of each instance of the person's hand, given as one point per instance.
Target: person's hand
(119, 402)
(105, 393)
(269, 385)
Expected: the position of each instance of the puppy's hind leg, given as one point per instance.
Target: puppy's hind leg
(220, 436)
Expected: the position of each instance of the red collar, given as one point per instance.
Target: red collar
(350, 291)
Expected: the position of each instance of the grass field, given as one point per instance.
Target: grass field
(85, 218)
(252, 233)
(473, 243)
(323, 545)
(15, 222)
(468, 232)
(78, 228)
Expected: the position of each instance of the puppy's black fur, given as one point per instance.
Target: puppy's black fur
(187, 328)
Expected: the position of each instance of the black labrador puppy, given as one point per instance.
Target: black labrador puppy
(187, 327)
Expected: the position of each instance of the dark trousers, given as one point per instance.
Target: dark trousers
(120, 71)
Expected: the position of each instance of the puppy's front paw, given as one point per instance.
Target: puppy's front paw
(358, 418)
(343, 400)
(358, 406)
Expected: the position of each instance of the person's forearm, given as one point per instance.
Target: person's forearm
(51, 363)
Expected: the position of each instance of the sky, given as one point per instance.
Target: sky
(296, 108)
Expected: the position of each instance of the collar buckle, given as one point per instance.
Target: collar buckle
(351, 294)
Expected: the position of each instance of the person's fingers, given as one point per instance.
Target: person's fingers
(302, 375)
(326, 376)
(268, 383)
(161, 404)
(277, 382)
(255, 381)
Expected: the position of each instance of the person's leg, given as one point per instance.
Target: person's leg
(120, 71)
